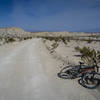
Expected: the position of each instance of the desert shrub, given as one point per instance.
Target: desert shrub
(30, 37)
(77, 48)
(64, 40)
(50, 38)
(68, 39)
(10, 39)
(56, 39)
(54, 45)
(88, 55)
(26, 38)
(89, 40)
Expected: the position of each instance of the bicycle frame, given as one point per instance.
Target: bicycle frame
(91, 68)
(87, 70)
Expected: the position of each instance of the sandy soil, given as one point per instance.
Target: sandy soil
(66, 53)
(29, 72)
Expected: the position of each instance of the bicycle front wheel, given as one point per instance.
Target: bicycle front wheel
(89, 81)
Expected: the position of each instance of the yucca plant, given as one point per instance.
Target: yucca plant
(88, 55)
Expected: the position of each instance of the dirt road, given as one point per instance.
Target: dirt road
(27, 72)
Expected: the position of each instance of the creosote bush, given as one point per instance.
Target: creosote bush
(56, 39)
(10, 40)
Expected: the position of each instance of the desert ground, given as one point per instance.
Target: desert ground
(28, 71)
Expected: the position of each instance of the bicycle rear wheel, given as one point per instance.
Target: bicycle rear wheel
(64, 76)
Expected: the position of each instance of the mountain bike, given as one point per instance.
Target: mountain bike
(87, 74)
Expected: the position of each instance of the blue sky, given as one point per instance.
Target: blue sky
(51, 15)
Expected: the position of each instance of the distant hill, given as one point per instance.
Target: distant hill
(13, 34)
(12, 29)
(18, 34)
(20, 31)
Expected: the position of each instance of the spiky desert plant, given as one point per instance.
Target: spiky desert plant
(88, 55)
(77, 48)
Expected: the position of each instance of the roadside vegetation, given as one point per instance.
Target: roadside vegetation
(87, 54)
(17, 34)
(55, 41)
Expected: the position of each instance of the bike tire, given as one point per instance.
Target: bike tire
(86, 84)
(65, 73)
(64, 76)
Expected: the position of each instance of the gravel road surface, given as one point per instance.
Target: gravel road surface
(28, 72)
